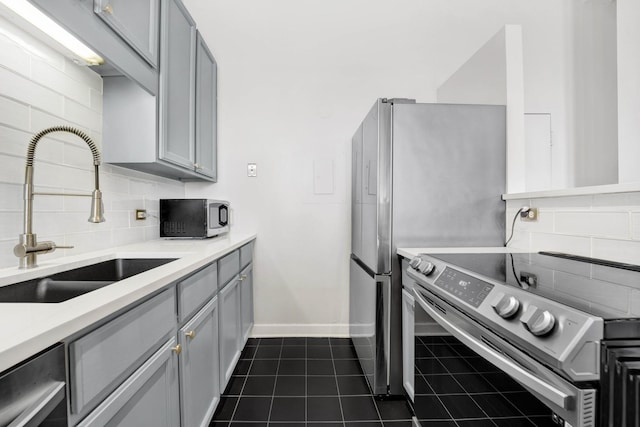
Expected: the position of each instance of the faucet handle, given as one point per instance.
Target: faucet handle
(62, 247)
(21, 250)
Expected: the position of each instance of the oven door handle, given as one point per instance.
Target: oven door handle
(550, 392)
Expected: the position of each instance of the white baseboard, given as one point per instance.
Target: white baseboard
(300, 330)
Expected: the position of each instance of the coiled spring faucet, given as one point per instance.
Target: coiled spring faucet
(28, 247)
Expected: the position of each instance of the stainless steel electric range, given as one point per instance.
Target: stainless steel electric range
(560, 333)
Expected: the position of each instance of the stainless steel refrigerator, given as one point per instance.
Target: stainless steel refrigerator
(423, 175)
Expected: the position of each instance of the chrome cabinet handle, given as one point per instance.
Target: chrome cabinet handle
(532, 382)
(108, 8)
(190, 334)
(177, 349)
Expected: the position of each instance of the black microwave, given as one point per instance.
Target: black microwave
(193, 218)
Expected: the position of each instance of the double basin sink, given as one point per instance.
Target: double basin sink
(69, 284)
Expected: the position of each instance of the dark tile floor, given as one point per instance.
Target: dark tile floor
(303, 382)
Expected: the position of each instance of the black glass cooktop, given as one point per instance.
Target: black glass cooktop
(603, 288)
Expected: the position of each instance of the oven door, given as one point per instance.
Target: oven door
(453, 380)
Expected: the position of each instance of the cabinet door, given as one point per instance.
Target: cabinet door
(206, 111)
(136, 22)
(177, 85)
(230, 332)
(149, 397)
(246, 302)
(408, 346)
(100, 360)
(199, 366)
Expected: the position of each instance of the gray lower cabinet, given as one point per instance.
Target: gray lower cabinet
(246, 302)
(149, 397)
(230, 329)
(199, 366)
(165, 361)
(105, 357)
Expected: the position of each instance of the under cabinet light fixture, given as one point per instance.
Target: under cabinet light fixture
(47, 26)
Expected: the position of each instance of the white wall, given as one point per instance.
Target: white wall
(628, 90)
(603, 226)
(494, 75)
(295, 80)
(40, 88)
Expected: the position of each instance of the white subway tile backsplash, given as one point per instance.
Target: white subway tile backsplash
(635, 302)
(78, 113)
(12, 56)
(14, 114)
(567, 203)
(594, 291)
(84, 76)
(577, 245)
(602, 226)
(617, 250)
(635, 226)
(10, 224)
(46, 75)
(125, 236)
(607, 224)
(12, 170)
(11, 197)
(41, 120)
(143, 188)
(41, 88)
(24, 90)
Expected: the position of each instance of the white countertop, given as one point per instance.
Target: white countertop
(411, 252)
(26, 329)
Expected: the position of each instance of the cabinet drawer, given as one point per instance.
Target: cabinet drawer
(228, 268)
(196, 290)
(246, 254)
(105, 357)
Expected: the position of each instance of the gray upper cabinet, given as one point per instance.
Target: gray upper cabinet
(174, 135)
(113, 38)
(137, 22)
(177, 85)
(206, 110)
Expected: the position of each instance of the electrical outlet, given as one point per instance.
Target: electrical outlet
(141, 214)
(529, 215)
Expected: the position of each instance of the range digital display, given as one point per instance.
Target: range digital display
(467, 288)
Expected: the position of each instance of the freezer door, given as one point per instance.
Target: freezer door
(368, 319)
(372, 189)
(449, 172)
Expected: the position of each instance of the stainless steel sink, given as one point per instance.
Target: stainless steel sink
(70, 284)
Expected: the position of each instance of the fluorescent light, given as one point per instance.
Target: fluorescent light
(45, 24)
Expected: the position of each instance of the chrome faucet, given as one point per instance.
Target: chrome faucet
(28, 247)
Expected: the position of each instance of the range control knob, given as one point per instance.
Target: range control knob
(415, 262)
(506, 305)
(539, 322)
(426, 268)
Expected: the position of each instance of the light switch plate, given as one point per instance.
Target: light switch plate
(252, 169)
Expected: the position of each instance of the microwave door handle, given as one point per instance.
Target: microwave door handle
(550, 392)
(38, 411)
(223, 221)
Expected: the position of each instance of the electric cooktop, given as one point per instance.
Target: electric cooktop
(606, 289)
